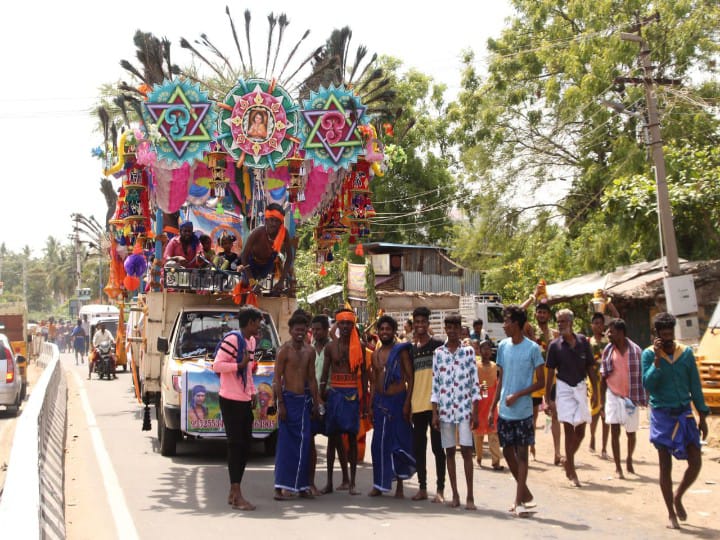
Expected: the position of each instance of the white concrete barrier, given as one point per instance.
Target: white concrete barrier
(33, 502)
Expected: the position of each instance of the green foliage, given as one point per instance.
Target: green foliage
(534, 134)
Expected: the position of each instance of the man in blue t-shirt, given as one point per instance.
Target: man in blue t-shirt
(518, 359)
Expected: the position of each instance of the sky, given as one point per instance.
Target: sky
(56, 55)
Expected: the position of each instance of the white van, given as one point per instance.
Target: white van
(96, 312)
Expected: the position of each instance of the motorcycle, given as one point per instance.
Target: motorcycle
(105, 360)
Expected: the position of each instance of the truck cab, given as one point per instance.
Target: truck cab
(170, 343)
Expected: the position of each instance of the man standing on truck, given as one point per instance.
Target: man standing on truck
(390, 391)
(422, 357)
(344, 364)
(263, 246)
(296, 389)
(671, 377)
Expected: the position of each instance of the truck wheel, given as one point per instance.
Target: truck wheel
(270, 444)
(167, 438)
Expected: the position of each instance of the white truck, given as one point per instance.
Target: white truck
(171, 337)
(485, 306)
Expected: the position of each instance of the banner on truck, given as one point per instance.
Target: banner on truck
(200, 408)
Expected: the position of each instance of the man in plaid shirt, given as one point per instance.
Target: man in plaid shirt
(622, 390)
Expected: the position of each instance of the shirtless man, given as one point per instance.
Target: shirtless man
(294, 374)
(344, 357)
(391, 381)
(264, 244)
(319, 327)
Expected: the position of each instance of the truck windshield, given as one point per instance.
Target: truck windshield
(495, 314)
(200, 332)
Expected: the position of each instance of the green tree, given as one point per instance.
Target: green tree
(536, 132)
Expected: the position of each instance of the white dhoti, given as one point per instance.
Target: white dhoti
(571, 403)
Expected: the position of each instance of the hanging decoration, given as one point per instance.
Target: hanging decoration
(258, 123)
(357, 205)
(331, 118)
(184, 118)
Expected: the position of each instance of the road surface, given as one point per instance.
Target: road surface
(118, 486)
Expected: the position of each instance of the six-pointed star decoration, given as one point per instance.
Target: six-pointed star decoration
(334, 127)
(180, 121)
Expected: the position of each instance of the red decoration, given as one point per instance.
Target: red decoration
(323, 272)
(359, 251)
(388, 129)
(131, 283)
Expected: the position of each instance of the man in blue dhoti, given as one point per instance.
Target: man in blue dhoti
(671, 378)
(295, 386)
(391, 380)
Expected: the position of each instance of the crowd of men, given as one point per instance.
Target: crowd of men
(328, 381)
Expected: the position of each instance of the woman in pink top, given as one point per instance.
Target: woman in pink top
(233, 363)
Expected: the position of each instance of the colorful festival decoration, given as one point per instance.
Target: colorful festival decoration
(258, 123)
(184, 118)
(331, 118)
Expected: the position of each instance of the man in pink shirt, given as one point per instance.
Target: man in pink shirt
(233, 362)
(622, 390)
(185, 249)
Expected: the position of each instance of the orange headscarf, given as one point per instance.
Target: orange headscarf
(280, 238)
(356, 352)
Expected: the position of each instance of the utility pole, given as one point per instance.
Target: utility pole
(667, 230)
(76, 238)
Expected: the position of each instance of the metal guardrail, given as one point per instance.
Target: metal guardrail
(33, 499)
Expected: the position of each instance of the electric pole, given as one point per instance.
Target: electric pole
(667, 230)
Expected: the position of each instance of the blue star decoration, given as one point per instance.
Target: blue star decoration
(331, 119)
(184, 117)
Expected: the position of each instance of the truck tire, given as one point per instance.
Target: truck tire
(271, 444)
(167, 438)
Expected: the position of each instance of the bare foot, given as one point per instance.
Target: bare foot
(479, 463)
(375, 493)
(344, 486)
(574, 482)
(592, 446)
(439, 498)
(352, 490)
(604, 455)
(242, 504)
(532, 451)
(327, 489)
(315, 491)
(455, 502)
(470, 504)
(399, 490)
(629, 466)
(673, 523)
(559, 460)
(679, 509)
(307, 494)
(421, 495)
(619, 474)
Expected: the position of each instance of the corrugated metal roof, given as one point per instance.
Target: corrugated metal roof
(400, 246)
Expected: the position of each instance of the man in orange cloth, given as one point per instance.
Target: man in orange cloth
(344, 365)
(487, 375)
(263, 246)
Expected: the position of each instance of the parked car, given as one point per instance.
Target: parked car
(12, 387)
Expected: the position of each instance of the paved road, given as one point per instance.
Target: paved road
(8, 421)
(152, 497)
